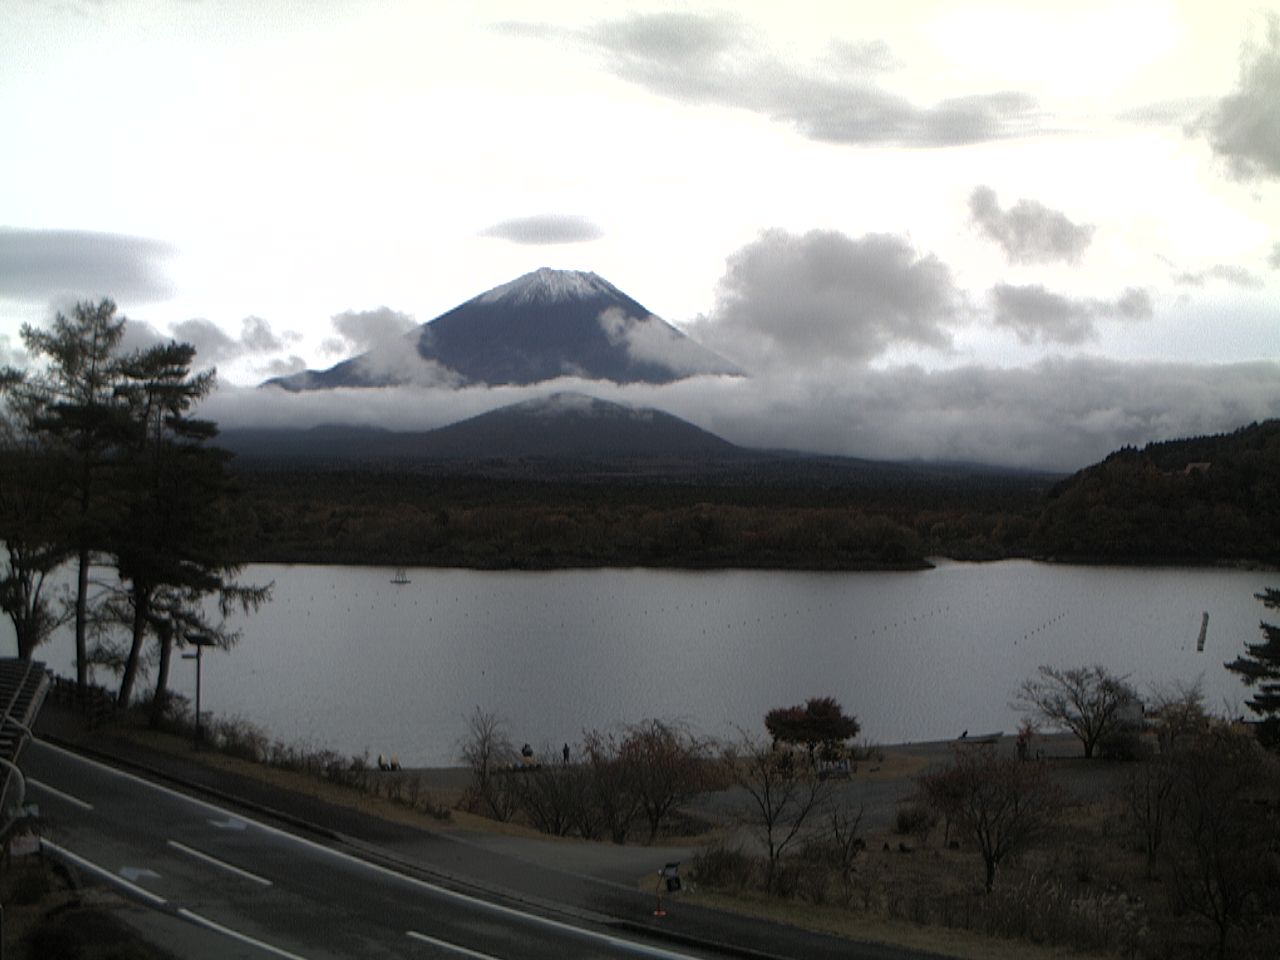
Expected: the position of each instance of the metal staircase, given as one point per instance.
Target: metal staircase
(23, 685)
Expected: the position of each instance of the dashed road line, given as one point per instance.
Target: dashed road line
(221, 864)
(237, 935)
(451, 947)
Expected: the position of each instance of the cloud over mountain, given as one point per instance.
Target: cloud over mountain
(362, 330)
(805, 300)
(1028, 232)
(1057, 414)
(545, 229)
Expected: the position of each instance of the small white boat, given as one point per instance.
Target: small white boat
(981, 740)
(401, 577)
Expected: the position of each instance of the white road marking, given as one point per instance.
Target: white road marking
(74, 801)
(104, 873)
(237, 935)
(619, 943)
(451, 947)
(134, 874)
(231, 868)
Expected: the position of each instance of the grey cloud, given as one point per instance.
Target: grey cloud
(362, 330)
(1167, 113)
(1034, 313)
(258, 337)
(716, 59)
(1059, 414)
(283, 368)
(549, 228)
(140, 335)
(48, 265)
(649, 340)
(788, 300)
(213, 345)
(1273, 261)
(378, 337)
(1029, 232)
(1229, 273)
(1244, 127)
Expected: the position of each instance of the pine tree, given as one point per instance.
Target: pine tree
(73, 408)
(32, 522)
(1260, 667)
(171, 542)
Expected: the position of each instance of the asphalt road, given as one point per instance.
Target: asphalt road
(271, 893)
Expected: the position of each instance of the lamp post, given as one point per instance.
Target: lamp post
(199, 641)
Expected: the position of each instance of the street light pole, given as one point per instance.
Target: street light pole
(199, 642)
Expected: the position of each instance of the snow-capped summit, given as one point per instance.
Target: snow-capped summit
(543, 325)
(545, 285)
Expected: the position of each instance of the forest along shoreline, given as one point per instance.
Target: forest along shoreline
(1205, 500)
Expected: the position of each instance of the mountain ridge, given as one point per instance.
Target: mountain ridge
(543, 325)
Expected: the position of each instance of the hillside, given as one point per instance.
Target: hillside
(563, 426)
(1198, 500)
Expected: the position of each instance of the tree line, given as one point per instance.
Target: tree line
(104, 466)
(1200, 501)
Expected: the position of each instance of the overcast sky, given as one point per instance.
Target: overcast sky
(1022, 233)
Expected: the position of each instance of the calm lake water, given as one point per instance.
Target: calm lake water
(344, 658)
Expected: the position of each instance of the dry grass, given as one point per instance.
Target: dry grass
(1080, 897)
(857, 925)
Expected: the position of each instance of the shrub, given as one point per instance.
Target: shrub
(1122, 743)
(729, 868)
(915, 819)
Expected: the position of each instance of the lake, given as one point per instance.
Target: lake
(344, 658)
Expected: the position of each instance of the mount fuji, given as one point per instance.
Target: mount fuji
(543, 325)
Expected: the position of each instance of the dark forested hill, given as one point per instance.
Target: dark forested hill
(775, 512)
(1198, 500)
(1203, 500)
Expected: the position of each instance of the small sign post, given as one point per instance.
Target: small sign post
(669, 877)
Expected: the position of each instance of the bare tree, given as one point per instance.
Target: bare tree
(548, 796)
(665, 764)
(1220, 850)
(1004, 805)
(1091, 702)
(1152, 802)
(846, 841)
(1177, 712)
(785, 792)
(487, 750)
(612, 802)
